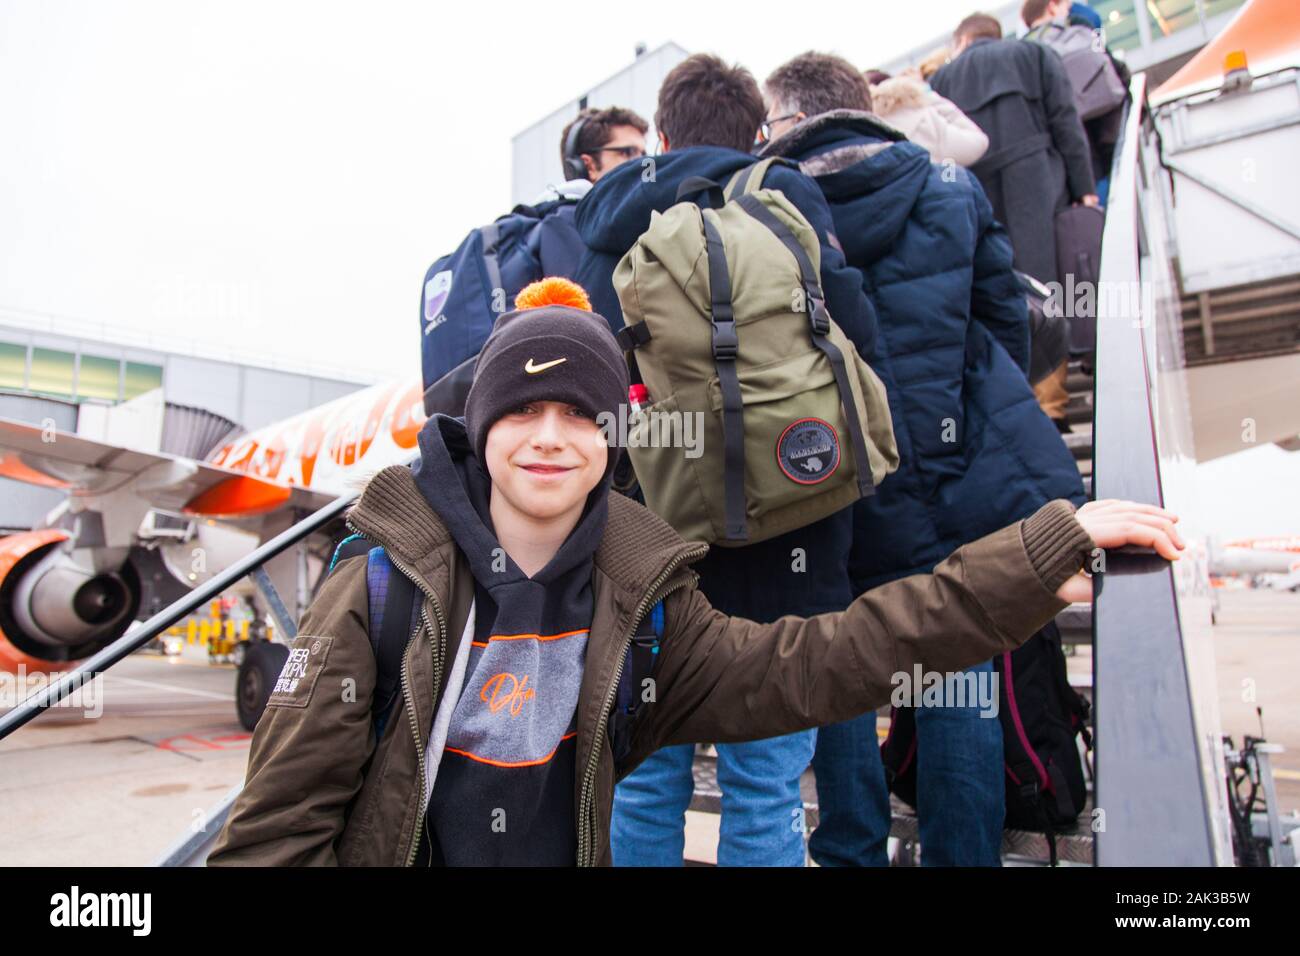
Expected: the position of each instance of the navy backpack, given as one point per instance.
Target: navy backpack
(465, 291)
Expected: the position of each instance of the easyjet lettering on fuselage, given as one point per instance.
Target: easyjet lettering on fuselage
(320, 448)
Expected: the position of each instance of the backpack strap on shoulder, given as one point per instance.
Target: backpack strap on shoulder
(393, 609)
(819, 326)
(639, 665)
(645, 645)
(750, 179)
(491, 235)
(695, 185)
(746, 180)
(349, 547)
(725, 348)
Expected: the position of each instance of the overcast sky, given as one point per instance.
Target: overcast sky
(283, 173)
(279, 175)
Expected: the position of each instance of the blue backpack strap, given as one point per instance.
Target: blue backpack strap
(393, 611)
(350, 546)
(640, 664)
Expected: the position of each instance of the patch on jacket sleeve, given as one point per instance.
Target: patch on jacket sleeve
(297, 680)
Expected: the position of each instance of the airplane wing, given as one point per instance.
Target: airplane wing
(89, 468)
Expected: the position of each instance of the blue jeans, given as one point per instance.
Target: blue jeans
(960, 789)
(762, 810)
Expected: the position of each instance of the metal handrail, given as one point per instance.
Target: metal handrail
(52, 693)
(1150, 778)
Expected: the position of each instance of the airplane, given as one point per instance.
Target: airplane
(74, 585)
(1278, 557)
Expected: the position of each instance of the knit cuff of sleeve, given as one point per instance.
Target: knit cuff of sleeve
(1055, 542)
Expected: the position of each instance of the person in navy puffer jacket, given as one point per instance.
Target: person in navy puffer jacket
(976, 451)
(708, 118)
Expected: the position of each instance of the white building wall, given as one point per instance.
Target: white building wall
(535, 152)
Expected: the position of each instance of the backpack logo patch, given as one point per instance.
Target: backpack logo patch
(436, 291)
(808, 451)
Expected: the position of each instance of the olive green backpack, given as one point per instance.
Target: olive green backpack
(762, 417)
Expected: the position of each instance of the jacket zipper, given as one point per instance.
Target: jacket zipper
(436, 646)
(586, 801)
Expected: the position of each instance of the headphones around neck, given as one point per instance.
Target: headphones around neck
(574, 167)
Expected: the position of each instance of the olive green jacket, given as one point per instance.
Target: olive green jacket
(321, 790)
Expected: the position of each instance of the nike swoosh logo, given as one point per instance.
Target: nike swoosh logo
(532, 369)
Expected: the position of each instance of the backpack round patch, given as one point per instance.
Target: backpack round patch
(808, 451)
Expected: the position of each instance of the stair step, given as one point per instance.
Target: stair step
(1079, 409)
(1079, 440)
(1077, 382)
(1017, 845)
(1075, 624)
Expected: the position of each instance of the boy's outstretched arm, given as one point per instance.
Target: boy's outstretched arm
(726, 679)
(304, 764)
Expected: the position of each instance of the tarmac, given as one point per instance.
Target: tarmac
(118, 789)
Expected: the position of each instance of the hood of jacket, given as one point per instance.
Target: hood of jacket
(617, 211)
(858, 158)
(897, 93)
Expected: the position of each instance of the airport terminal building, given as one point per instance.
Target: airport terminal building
(147, 392)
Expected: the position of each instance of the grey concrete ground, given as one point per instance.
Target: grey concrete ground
(119, 789)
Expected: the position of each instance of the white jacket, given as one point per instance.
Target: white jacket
(929, 120)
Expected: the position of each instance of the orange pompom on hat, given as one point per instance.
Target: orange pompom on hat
(553, 347)
(553, 290)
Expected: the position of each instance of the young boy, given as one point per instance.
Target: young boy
(534, 579)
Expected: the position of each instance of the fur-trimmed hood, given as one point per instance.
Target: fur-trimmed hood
(858, 158)
(897, 93)
(800, 138)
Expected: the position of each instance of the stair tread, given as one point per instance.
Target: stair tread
(1074, 847)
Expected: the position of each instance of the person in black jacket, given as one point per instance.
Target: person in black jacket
(1038, 160)
(708, 118)
(1102, 131)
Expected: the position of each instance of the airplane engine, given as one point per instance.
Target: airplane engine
(53, 610)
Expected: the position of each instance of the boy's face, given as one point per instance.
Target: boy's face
(545, 457)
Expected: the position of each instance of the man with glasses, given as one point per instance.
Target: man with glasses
(774, 127)
(598, 141)
(593, 144)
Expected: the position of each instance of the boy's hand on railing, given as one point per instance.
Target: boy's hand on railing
(1113, 524)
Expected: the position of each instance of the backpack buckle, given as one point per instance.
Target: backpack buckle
(820, 319)
(725, 343)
